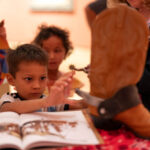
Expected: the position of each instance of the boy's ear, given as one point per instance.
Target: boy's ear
(10, 79)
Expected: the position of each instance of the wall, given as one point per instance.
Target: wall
(21, 23)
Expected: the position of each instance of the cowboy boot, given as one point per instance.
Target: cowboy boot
(119, 49)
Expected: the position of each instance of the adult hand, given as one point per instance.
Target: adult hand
(2, 30)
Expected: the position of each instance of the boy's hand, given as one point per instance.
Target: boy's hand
(60, 90)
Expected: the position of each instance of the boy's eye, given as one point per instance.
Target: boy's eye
(43, 78)
(28, 78)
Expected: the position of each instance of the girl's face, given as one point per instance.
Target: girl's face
(135, 3)
(56, 51)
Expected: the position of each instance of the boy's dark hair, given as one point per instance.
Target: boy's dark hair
(25, 53)
(46, 32)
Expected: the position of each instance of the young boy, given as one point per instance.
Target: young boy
(28, 73)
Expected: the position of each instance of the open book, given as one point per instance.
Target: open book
(47, 129)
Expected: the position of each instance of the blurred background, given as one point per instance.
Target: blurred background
(22, 18)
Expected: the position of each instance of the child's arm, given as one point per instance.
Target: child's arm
(2, 30)
(58, 93)
(3, 37)
(25, 106)
(77, 104)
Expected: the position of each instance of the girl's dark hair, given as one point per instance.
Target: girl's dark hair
(147, 4)
(25, 53)
(46, 32)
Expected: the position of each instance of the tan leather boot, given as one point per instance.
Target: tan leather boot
(119, 49)
(137, 119)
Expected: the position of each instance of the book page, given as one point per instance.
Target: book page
(9, 130)
(57, 128)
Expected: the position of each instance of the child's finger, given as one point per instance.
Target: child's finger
(68, 75)
(61, 83)
(64, 80)
(2, 23)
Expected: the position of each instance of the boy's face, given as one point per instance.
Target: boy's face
(30, 81)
